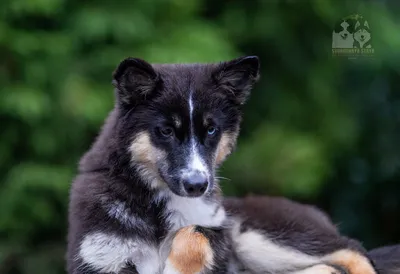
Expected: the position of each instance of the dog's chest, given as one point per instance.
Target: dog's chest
(182, 211)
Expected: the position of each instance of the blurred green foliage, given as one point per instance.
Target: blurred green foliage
(317, 129)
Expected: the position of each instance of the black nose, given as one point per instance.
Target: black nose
(195, 184)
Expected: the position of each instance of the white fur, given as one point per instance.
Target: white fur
(196, 163)
(261, 255)
(169, 269)
(120, 211)
(193, 211)
(190, 106)
(318, 269)
(108, 253)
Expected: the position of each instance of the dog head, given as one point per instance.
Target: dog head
(178, 122)
(362, 33)
(345, 29)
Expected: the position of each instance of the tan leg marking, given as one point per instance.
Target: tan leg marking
(352, 261)
(190, 252)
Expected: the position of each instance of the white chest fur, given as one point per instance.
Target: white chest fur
(109, 253)
(194, 211)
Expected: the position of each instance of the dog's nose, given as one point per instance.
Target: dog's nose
(195, 184)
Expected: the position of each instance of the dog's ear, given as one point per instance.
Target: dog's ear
(351, 27)
(238, 76)
(357, 25)
(134, 79)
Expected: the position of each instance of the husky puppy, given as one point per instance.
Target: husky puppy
(151, 170)
(146, 198)
(362, 34)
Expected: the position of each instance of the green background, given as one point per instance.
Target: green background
(317, 129)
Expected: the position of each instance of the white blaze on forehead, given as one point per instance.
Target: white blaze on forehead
(196, 163)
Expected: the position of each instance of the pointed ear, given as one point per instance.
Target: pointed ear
(134, 79)
(238, 76)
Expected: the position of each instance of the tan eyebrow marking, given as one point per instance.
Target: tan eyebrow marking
(177, 121)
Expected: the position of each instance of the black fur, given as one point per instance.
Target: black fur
(386, 259)
(220, 242)
(339, 28)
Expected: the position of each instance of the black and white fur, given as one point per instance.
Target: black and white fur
(342, 35)
(151, 171)
(151, 175)
(362, 34)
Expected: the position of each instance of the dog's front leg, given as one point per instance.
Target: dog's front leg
(196, 249)
(321, 269)
(263, 254)
(278, 236)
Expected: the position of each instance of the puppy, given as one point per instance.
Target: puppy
(362, 35)
(146, 197)
(151, 170)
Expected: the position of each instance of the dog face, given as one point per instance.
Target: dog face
(343, 34)
(362, 33)
(344, 29)
(178, 122)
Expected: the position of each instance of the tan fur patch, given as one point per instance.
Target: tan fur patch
(225, 146)
(352, 261)
(190, 252)
(144, 153)
(177, 121)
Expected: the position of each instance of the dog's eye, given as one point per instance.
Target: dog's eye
(211, 130)
(166, 131)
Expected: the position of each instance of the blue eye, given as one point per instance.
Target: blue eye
(211, 130)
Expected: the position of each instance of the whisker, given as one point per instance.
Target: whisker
(223, 178)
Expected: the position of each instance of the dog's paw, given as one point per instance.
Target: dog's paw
(191, 252)
(352, 261)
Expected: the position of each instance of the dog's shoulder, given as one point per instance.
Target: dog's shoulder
(97, 199)
(88, 195)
